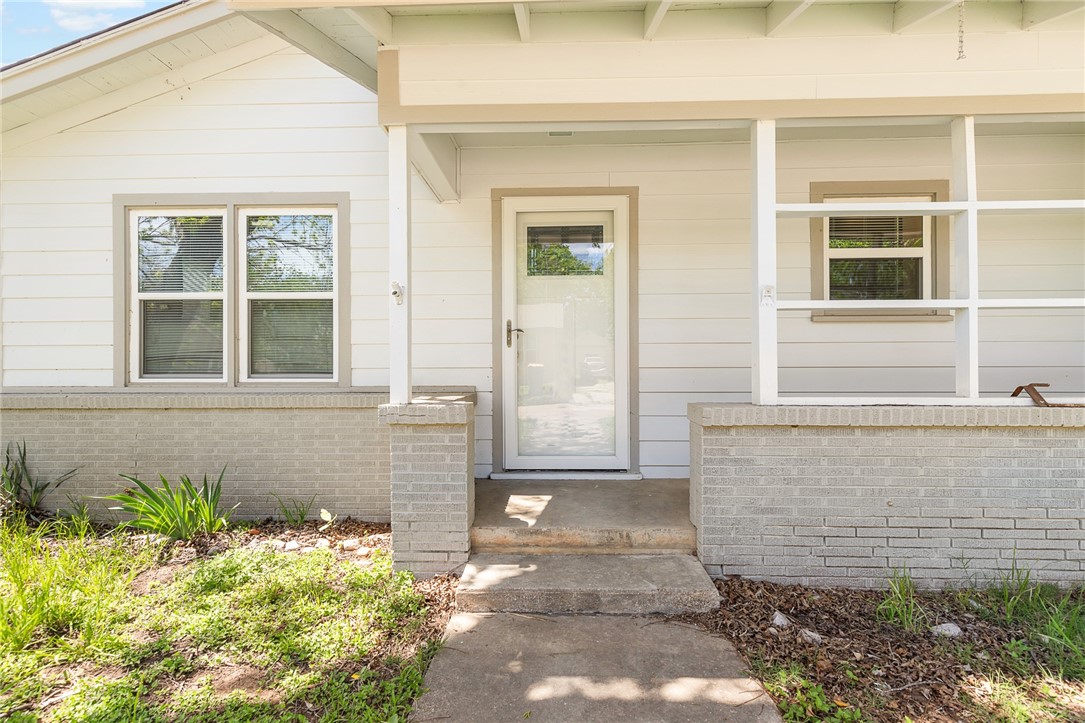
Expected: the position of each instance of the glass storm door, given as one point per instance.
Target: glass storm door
(566, 320)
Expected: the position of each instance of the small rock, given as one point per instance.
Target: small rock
(276, 544)
(363, 563)
(307, 548)
(772, 631)
(350, 545)
(780, 620)
(323, 543)
(949, 630)
(291, 546)
(364, 551)
(810, 636)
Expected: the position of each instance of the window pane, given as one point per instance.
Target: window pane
(876, 278)
(182, 338)
(180, 253)
(873, 232)
(291, 337)
(565, 251)
(289, 253)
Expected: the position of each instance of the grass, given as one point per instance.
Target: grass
(900, 606)
(244, 635)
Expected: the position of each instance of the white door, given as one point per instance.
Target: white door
(565, 297)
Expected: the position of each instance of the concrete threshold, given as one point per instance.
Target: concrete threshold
(615, 584)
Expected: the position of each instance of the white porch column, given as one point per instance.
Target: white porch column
(966, 256)
(399, 265)
(765, 381)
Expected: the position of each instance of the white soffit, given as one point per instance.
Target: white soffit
(118, 58)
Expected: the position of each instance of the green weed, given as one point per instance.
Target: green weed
(900, 605)
(292, 510)
(803, 701)
(20, 490)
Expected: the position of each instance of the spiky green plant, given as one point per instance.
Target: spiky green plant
(180, 512)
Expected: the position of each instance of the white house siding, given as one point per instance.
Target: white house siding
(284, 123)
(694, 275)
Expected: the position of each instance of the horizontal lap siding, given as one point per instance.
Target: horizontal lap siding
(694, 323)
(284, 123)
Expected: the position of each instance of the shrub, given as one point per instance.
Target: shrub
(180, 512)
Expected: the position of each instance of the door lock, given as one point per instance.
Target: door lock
(509, 332)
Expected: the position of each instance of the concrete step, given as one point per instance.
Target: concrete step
(585, 540)
(583, 517)
(610, 584)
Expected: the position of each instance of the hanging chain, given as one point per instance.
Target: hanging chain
(960, 30)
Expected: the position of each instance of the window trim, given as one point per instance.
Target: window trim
(126, 362)
(939, 278)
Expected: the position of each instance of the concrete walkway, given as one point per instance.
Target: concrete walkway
(587, 668)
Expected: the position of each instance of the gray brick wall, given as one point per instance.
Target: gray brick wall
(327, 444)
(433, 484)
(838, 497)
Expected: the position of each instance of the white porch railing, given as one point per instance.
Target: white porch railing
(964, 210)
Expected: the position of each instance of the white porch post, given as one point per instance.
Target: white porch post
(399, 265)
(765, 376)
(966, 256)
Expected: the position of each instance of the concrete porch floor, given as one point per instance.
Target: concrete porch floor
(583, 517)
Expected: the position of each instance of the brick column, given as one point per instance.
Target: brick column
(433, 484)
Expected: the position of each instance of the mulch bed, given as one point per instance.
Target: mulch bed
(861, 661)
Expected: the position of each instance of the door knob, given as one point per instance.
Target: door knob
(508, 333)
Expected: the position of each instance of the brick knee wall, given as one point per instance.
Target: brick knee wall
(324, 445)
(841, 497)
(433, 484)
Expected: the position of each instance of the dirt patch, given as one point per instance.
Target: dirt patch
(157, 576)
(884, 670)
(245, 679)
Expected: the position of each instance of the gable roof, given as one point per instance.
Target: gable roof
(90, 68)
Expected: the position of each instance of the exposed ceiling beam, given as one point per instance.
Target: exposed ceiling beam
(1035, 14)
(289, 26)
(780, 14)
(375, 21)
(907, 13)
(653, 17)
(523, 21)
(436, 158)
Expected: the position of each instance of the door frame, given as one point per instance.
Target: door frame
(623, 202)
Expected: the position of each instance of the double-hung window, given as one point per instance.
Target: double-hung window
(234, 294)
(879, 256)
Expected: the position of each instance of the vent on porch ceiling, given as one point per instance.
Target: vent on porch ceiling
(559, 134)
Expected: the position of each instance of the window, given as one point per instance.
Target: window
(234, 294)
(879, 257)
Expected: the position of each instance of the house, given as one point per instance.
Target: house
(798, 253)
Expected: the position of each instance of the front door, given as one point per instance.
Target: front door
(565, 297)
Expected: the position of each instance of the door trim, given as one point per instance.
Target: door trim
(497, 196)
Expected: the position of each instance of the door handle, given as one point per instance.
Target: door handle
(509, 332)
